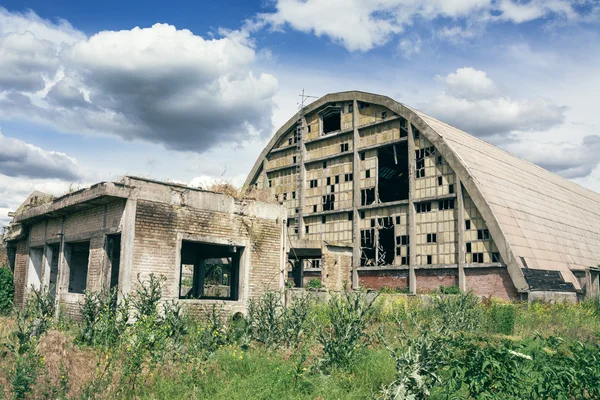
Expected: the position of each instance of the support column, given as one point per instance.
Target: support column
(265, 183)
(127, 246)
(412, 225)
(62, 276)
(302, 181)
(356, 252)
(461, 248)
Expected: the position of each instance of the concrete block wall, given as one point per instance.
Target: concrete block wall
(336, 267)
(160, 227)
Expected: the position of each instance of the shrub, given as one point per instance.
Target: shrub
(342, 338)
(502, 318)
(449, 289)
(7, 290)
(103, 320)
(458, 313)
(314, 283)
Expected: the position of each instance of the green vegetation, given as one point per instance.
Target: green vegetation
(6, 290)
(314, 283)
(355, 346)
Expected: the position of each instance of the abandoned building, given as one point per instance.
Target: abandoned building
(420, 204)
(209, 247)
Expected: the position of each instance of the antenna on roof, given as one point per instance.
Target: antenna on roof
(304, 98)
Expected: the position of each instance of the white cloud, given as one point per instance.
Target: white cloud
(362, 25)
(20, 159)
(158, 84)
(410, 47)
(571, 160)
(471, 102)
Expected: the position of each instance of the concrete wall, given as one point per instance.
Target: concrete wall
(336, 267)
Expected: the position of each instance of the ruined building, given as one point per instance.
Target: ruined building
(210, 248)
(418, 204)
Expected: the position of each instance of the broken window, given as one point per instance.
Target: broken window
(467, 224)
(385, 248)
(468, 247)
(383, 114)
(329, 180)
(368, 173)
(309, 128)
(402, 240)
(392, 173)
(495, 257)
(294, 160)
(483, 234)
(440, 181)
(432, 238)
(423, 207)
(367, 244)
(404, 261)
(78, 260)
(350, 107)
(451, 189)
(403, 128)
(348, 177)
(420, 163)
(367, 196)
(328, 202)
(306, 228)
(209, 271)
(313, 183)
(477, 257)
(429, 259)
(397, 220)
(447, 204)
(343, 147)
(293, 195)
(270, 183)
(324, 164)
(332, 121)
(350, 216)
(440, 161)
(34, 273)
(362, 105)
(323, 219)
(416, 133)
(337, 179)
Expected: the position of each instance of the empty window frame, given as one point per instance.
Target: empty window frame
(423, 207)
(440, 181)
(350, 216)
(383, 114)
(495, 257)
(350, 107)
(451, 189)
(290, 141)
(403, 128)
(332, 121)
(337, 179)
(315, 208)
(468, 247)
(367, 196)
(367, 244)
(368, 173)
(483, 234)
(344, 147)
(78, 260)
(429, 259)
(323, 219)
(314, 183)
(477, 258)
(329, 202)
(348, 177)
(34, 272)
(392, 173)
(402, 240)
(432, 238)
(416, 133)
(209, 271)
(468, 224)
(447, 204)
(362, 105)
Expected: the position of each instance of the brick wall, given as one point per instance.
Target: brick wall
(494, 282)
(21, 260)
(380, 279)
(429, 280)
(157, 226)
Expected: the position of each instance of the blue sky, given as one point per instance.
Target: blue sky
(195, 92)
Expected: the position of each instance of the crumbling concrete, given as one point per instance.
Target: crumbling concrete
(227, 251)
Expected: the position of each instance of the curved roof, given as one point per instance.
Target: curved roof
(533, 215)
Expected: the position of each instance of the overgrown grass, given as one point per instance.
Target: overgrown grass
(356, 346)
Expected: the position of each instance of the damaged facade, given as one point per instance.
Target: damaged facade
(209, 247)
(421, 204)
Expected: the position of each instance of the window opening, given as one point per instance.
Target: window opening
(332, 121)
(367, 196)
(209, 271)
(79, 255)
(393, 173)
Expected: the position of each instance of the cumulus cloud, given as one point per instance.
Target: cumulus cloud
(571, 160)
(20, 159)
(157, 84)
(362, 25)
(471, 102)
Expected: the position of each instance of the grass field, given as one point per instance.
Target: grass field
(395, 347)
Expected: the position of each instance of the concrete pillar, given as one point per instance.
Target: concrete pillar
(356, 253)
(460, 230)
(127, 247)
(62, 277)
(300, 190)
(412, 226)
